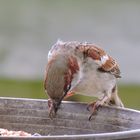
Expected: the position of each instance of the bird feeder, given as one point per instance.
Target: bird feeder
(70, 123)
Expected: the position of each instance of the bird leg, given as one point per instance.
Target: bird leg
(96, 105)
(69, 94)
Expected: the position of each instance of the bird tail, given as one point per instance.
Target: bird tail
(115, 99)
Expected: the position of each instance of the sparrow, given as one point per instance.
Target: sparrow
(83, 68)
(61, 69)
(98, 77)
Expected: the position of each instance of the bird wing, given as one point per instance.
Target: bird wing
(111, 66)
(106, 63)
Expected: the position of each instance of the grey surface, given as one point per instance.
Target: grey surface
(71, 122)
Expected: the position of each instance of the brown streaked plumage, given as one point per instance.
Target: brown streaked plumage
(98, 77)
(59, 74)
(96, 53)
(83, 68)
(112, 67)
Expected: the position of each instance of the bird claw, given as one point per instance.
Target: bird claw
(95, 106)
(90, 105)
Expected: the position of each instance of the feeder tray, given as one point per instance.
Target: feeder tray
(71, 122)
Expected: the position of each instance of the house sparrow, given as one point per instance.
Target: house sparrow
(61, 69)
(98, 77)
(83, 68)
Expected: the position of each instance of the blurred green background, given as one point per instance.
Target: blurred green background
(29, 28)
(129, 93)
